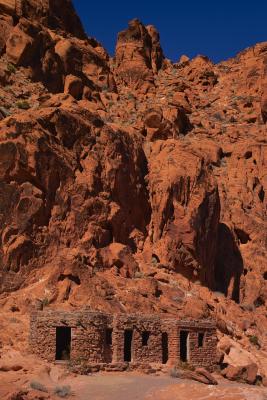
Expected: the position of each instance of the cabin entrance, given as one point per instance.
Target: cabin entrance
(128, 338)
(63, 343)
(165, 347)
(184, 346)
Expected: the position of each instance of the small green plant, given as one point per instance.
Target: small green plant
(11, 68)
(45, 302)
(5, 112)
(105, 88)
(254, 340)
(62, 391)
(186, 366)
(130, 96)
(38, 386)
(23, 105)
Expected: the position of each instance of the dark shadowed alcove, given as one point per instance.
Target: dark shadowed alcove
(63, 343)
(128, 338)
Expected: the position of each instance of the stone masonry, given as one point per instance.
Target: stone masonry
(96, 337)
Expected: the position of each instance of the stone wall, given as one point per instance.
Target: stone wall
(101, 338)
(151, 352)
(88, 334)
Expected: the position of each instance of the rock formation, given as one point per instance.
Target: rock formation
(132, 181)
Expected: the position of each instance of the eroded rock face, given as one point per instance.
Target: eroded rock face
(138, 55)
(185, 211)
(55, 14)
(131, 182)
(42, 178)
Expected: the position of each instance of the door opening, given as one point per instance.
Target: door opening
(145, 338)
(165, 347)
(108, 337)
(184, 346)
(201, 339)
(63, 342)
(128, 338)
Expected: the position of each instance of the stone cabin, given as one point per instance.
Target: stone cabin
(96, 337)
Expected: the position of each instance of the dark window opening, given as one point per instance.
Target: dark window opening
(184, 338)
(200, 339)
(63, 342)
(109, 332)
(165, 347)
(128, 338)
(145, 338)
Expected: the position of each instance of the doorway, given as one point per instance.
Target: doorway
(128, 338)
(184, 346)
(63, 342)
(165, 347)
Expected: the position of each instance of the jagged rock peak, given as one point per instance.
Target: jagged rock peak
(138, 53)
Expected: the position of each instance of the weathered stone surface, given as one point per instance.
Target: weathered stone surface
(146, 344)
(73, 86)
(142, 186)
(6, 25)
(20, 46)
(200, 375)
(138, 54)
(246, 374)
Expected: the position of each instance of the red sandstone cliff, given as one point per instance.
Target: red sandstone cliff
(134, 182)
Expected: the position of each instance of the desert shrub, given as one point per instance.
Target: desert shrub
(62, 391)
(186, 366)
(45, 302)
(38, 386)
(130, 96)
(174, 373)
(23, 105)
(11, 68)
(5, 112)
(254, 340)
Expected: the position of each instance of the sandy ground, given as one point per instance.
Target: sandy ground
(113, 386)
(140, 387)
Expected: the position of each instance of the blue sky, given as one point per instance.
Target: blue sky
(218, 29)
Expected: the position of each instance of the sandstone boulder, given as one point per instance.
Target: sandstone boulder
(73, 86)
(6, 25)
(20, 46)
(58, 14)
(119, 257)
(246, 374)
(200, 375)
(172, 171)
